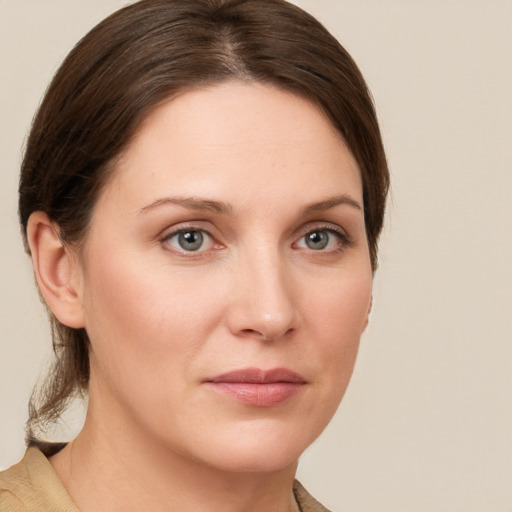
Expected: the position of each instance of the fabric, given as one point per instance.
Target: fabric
(33, 486)
(305, 501)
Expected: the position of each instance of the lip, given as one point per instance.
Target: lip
(257, 387)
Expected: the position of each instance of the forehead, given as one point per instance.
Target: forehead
(240, 139)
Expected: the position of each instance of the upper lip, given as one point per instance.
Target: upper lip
(259, 376)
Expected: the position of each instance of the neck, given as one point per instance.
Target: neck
(110, 467)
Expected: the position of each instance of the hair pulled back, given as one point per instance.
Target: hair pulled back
(141, 56)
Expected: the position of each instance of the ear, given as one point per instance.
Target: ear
(367, 319)
(56, 270)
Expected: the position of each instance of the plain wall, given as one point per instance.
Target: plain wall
(426, 424)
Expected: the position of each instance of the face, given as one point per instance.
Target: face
(226, 279)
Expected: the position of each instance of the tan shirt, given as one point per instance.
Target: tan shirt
(33, 486)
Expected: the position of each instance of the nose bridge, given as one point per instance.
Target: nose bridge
(265, 304)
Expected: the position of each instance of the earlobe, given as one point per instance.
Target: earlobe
(55, 268)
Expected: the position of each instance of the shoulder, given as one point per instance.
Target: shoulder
(32, 485)
(306, 502)
(12, 482)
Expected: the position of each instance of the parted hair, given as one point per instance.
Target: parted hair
(129, 64)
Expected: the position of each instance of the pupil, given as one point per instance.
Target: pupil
(317, 240)
(191, 240)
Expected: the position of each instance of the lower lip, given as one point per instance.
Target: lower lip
(256, 394)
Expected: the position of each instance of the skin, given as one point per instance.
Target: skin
(162, 319)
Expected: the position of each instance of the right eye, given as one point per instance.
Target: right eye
(190, 240)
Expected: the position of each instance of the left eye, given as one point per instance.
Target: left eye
(319, 240)
(190, 240)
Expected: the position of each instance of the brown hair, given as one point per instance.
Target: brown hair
(133, 61)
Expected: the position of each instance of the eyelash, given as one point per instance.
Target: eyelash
(164, 240)
(344, 239)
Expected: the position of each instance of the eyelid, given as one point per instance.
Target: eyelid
(175, 230)
(323, 225)
(344, 237)
(192, 225)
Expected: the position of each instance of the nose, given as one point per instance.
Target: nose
(263, 304)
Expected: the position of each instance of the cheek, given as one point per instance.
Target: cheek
(335, 313)
(142, 317)
(338, 316)
(341, 306)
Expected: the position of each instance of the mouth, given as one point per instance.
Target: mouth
(258, 388)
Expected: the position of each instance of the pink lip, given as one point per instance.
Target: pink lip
(258, 388)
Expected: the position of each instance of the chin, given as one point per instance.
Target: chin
(262, 460)
(255, 449)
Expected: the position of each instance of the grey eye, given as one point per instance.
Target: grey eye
(317, 240)
(322, 239)
(190, 240)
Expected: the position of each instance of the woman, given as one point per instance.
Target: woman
(202, 193)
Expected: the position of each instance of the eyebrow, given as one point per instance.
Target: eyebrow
(221, 208)
(193, 203)
(329, 203)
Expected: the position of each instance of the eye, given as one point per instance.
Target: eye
(190, 240)
(322, 240)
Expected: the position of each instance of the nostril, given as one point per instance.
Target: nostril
(257, 334)
(252, 332)
(263, 336)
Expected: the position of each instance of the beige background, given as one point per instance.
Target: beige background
(427, 421)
